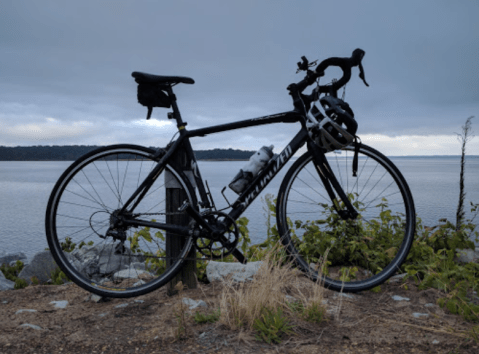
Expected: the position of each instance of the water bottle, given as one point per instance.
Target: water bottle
(251, 169)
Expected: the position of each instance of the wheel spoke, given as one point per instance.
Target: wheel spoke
(127, 260)
(359, 250)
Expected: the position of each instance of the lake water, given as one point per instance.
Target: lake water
(25, 187)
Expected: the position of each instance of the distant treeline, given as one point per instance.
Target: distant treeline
(71, 153)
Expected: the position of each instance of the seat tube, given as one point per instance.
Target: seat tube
(176, 111)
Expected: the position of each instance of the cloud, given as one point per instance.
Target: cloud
(72, 62)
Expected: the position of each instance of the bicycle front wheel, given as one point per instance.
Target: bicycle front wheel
(82, 206)
(358, 254)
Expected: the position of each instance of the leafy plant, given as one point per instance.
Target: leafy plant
(272, 325)
(208, 317)
(314, 312)
(58, 277)
(11, 272)
(67, 245)
(20, 283)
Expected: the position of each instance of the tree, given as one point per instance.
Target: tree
(464, 138)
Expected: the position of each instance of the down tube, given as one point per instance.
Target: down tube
(263, 179)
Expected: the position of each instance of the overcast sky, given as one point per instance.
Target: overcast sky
(65, 69)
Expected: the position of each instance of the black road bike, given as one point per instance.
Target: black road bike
(109, 223)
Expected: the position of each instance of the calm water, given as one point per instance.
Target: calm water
(25, 188)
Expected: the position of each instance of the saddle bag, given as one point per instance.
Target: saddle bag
(152, 95)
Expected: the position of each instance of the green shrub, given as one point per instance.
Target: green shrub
(272, 325)
(11, 272)
(207, 318)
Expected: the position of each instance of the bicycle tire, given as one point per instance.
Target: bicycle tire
(355, 255)
(79, 211)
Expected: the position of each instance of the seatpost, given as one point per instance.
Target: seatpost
(176, 112)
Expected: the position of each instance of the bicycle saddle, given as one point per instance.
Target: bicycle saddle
(143, 78)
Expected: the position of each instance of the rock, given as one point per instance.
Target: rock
(28, 325)
(96, 298)
(60, 304)
(435, 341)
(100, 261)
(122, 305)
(192, 304)
(466, 255)
(24, 310)
(129, 273)
(348, 296)
(5, 284)
(139, 301)
(397, 278)
(399, 298)
(41, 266)
(290, 298)
(217, 271)
(419, 315)
(12, 257)
(429, 305)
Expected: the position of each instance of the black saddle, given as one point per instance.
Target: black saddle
(143, 78)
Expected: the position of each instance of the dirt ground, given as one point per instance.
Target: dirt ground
(368, 323)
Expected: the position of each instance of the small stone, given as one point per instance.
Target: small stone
(139, 282)
(429, 305)
(400, 298)
(290, 298)
(4, 302)
(103, 314)
(96, 298)
(202, 335)
(121, 305)
(397, 278)
(435, 341)
(332, 310)
(60, 304)
(139, 301)
(28, 325)
(349, 296)
(192, 304)
(419, 315)
(24, 310)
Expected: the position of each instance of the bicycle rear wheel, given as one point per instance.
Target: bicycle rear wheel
(356, 254)
(84, 202)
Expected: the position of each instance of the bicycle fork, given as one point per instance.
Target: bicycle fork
(329, 181)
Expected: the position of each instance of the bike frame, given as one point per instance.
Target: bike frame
(255, 187)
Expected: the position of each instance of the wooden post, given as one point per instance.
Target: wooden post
(175, 196)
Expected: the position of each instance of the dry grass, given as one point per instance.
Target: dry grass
(242, 304)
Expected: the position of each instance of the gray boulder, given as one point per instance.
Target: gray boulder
(12, 258)
(5, 284)
(41, 266)
(467, 255)
(218, 271)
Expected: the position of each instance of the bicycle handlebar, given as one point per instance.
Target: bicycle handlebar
(344, 63)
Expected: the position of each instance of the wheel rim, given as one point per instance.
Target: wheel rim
(84, 204)
(363, 252)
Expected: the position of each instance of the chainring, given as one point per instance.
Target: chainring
(211, 246)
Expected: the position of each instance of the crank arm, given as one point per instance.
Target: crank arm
(199, 219)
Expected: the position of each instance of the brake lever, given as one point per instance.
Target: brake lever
(302, 66)
(361, 74)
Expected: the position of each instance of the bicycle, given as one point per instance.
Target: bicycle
(108, 226)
